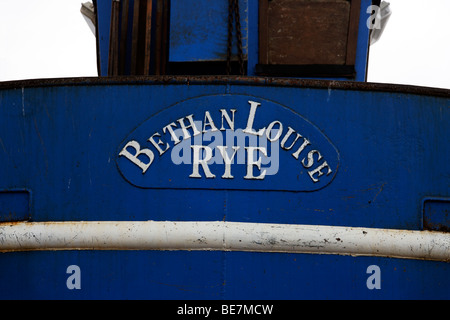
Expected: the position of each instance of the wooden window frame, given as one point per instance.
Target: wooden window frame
(346, 70)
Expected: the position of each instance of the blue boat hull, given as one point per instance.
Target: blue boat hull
(373, 157)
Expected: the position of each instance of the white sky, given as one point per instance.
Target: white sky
(51, 39)
(415, 46)
(45, 39)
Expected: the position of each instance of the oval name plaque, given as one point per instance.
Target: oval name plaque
(228, 142)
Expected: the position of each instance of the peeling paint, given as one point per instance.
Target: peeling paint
(224, 236)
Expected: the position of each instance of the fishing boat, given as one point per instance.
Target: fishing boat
(227, 150)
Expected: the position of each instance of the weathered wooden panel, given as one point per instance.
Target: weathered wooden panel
(308, 31)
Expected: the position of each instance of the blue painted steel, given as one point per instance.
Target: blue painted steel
(103, 34)
(62, 143)
(436, 214)
(362, 49)
(216, 275)
(14, 205)
(66, 139)
(199, 30)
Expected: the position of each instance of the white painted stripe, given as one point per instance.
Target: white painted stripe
(226, 236)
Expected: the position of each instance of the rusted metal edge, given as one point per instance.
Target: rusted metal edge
(224, 236)
(227, 80)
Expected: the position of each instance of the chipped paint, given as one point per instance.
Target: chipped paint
(224, 236)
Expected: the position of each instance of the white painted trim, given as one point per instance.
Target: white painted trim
(225, 236)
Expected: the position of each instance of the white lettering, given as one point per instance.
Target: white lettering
(191, 125)
(209, 123)
(203, 163)
(134, 158)
(320, 173)
(251, 163)
(252, 146)
(194, 310)
(228, 161)
(269, 131)
(172, 133)
(251, 119)
(243, 309)
(311, 159)
(302, 147)
(286, 137)
(156, 144)
(227, 118)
